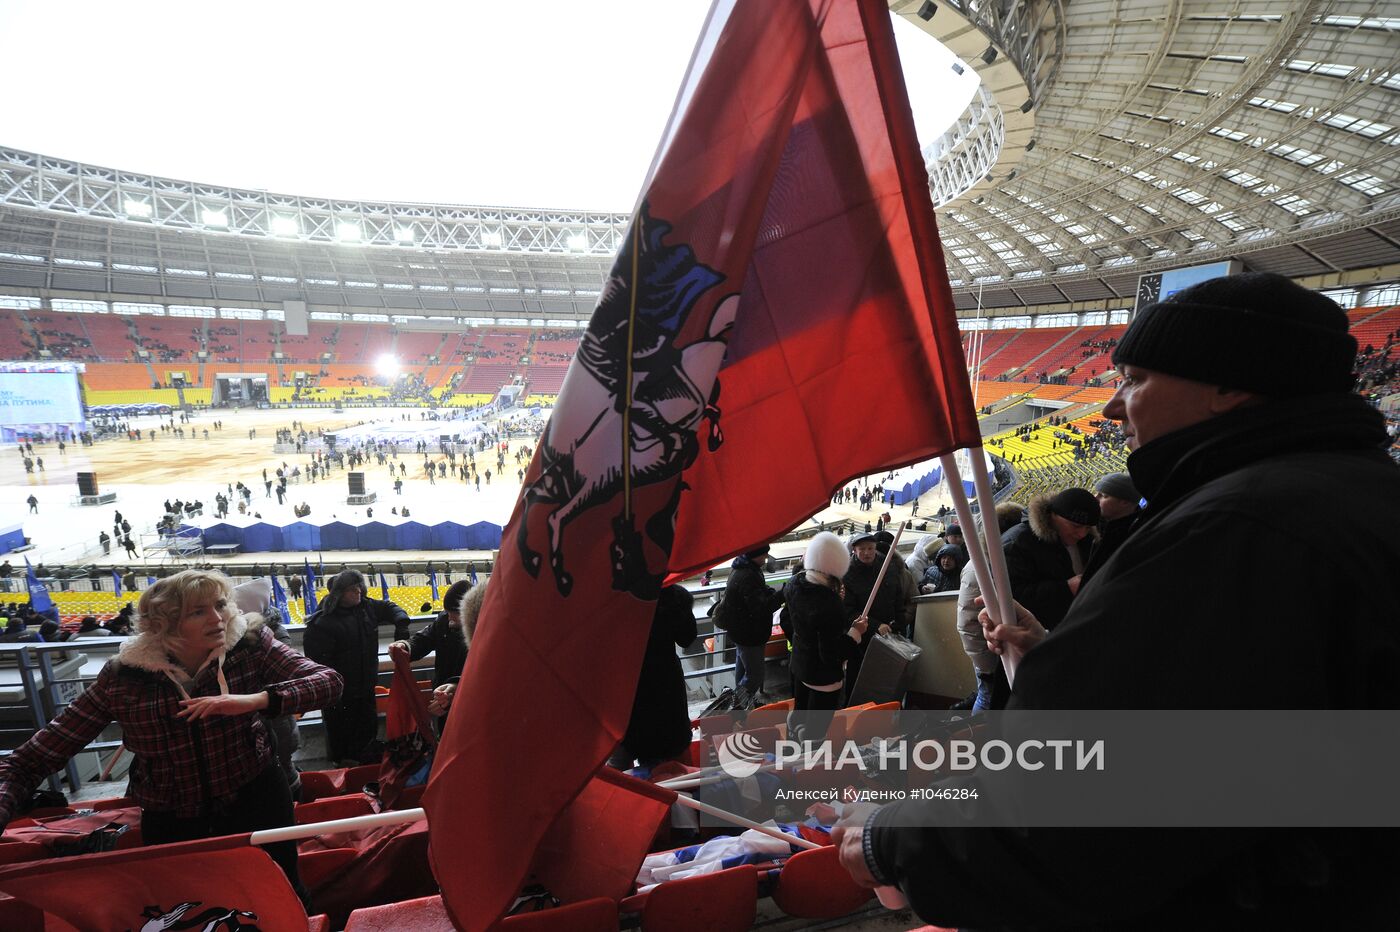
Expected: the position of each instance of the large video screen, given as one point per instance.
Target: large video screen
(39, 398)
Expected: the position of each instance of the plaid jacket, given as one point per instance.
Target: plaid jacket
(185, 768)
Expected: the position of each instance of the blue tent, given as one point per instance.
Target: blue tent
(448, 535)
(262, 537)
(483, 536)
(376, 535)
(301, 535)
(413, 536)
(221, 533)
(339, 536)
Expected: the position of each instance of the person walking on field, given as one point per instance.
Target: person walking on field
(129, 545)
(33, 505)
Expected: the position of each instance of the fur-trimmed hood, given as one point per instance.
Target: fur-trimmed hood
(1040, 518)
(148, 651)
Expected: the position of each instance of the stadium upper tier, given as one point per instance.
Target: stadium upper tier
(479, 360)
(1150, 136)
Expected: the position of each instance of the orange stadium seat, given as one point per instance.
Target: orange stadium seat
(814, 885)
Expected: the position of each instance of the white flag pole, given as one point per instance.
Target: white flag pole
(293, 832)
(988, 566)
(742, 822)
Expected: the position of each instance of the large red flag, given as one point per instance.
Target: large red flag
(215, 883)
(777, 322)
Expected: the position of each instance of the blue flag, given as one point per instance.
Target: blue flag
(309, 597)
(471, 569)
(279, 601)
(150, 580)
(116, 581)
(432, 581)
(39, 599)
(383, 588)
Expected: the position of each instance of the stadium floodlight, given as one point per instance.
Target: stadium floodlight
(348, 232)
(284, 226)
(215, 218)
(403, 234)
(578, 242)
(387, 366)
(135, 208)
(491, 238)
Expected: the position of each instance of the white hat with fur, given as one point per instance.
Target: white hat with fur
(827, 553)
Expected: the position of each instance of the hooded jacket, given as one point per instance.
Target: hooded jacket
(659, 727)
(935, 576)
(179, 767)
(1039, 565)
(748, 606)
(1147, 633)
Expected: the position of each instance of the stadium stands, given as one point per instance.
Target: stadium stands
(169, 339)
(413, 346)
(15, 340)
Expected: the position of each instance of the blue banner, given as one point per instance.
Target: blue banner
(309, 596)
(432, 581)
(383, 588)
(39, 599)
(279, 601)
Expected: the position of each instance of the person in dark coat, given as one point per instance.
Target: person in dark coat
(445, 638)
(824, 640)
(887, 612)
(746, 613)
(659, 727)
(945, 572)
(1047, 552)
(1118, 506)
(343, 634)
(1226, 446)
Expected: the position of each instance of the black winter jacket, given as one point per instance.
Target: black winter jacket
(1210, 563)
(748, 606)
(347, 641)
(819, 641)
(1039, 565)
(447, 644)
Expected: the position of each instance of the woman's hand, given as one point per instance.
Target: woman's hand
(858, 627)
(192, 710)
(883, 630)
(400, 646)
(442, 699)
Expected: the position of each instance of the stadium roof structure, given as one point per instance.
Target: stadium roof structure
(1109, 138)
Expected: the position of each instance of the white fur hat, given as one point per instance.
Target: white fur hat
(828, 554)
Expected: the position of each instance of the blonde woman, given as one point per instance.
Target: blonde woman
(191, 691)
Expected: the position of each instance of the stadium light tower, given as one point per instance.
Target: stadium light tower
(387, 365)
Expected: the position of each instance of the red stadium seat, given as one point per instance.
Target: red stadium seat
(321, 923)
(16, 916)
(315, 866)
(332, 808)
(595, 915)
(318, 784)
(357, 777)
(425, 914)
(17, 852)
(719, 902)
(814, 885)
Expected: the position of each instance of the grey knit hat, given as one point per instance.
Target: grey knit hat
(1118, 485)
(1256, 332)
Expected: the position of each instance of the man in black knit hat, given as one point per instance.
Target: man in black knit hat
(1236, 401)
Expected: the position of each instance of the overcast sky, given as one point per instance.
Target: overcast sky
(474, 102)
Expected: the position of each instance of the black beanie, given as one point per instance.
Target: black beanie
(1257, 332)
(1077, 505)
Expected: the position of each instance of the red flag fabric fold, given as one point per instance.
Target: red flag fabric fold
(777, 321)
